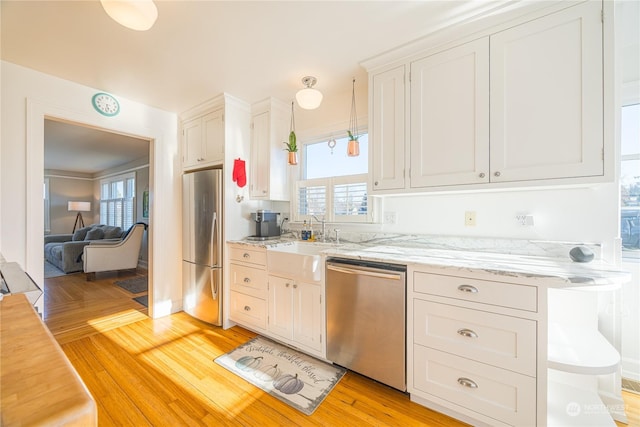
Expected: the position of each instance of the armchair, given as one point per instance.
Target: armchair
(108, 256)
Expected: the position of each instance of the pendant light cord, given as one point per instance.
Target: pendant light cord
(353, 122)
(293, 122)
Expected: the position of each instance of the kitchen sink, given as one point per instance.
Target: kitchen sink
(300, 260)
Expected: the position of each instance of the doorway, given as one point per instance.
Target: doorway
(84, 165)
(37, 116)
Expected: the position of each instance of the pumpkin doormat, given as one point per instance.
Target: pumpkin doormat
(298, 380)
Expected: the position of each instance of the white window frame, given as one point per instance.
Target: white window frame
(104, 216)
(329, 184)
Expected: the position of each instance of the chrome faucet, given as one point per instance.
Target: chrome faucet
(323, 224)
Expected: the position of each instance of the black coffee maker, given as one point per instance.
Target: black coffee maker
(267, 224)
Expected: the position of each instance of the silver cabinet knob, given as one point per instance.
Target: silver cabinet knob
(467, 333)
(482, 175)
(375, 183)
(247, 280)
(468, 288)
(496, 173)
(287, 285)
(246, 255)
(295, 286)
(467, 382)
(247, 308)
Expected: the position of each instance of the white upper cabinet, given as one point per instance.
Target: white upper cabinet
(269, 174)
(450, 116)
(203, 140)
(546, 97)
(523, 103)
(388, 111)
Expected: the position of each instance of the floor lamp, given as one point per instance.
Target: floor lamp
(79, 207)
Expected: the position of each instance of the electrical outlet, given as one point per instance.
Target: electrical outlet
(524, 219)
(389, 218)
(470, 218)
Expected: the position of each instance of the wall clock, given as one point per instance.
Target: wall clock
(105, 104)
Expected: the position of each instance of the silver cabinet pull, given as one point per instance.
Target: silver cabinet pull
(375, 183)
(496, 173)
(467, 382)
(467, 333)
(247, 280)
(295, 286)
(287, 285)
(246, 255)
(481, 175)
(468, 288)
(247, 308)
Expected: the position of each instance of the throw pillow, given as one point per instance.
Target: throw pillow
(80, 234)
(95, 234)
(112, 232)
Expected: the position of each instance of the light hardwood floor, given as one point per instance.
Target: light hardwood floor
(161, 372)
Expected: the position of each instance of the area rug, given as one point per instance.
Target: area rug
(298, 380)
(144, 300)
(51, 270)
(135, 285)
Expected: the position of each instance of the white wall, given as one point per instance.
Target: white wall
(27, 98)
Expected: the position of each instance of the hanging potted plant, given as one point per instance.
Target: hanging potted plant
(292, 146)
(353, 146)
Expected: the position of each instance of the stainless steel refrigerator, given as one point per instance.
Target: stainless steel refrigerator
(202, 245)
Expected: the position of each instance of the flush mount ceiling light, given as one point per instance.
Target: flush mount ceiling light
(139, 15)
(309, 98)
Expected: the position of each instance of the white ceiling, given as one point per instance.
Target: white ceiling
(69, 147)
(198, 49)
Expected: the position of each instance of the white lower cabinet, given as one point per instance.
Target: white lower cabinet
(492, 352)
(248, 287)
(286, 309)
(470, 351)
(500, 394)
(295, 312)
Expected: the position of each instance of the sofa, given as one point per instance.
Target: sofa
(65, 250)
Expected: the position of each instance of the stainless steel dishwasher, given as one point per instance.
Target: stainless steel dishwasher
(366, 306)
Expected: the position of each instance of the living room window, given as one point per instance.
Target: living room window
(333, 184)
(117, 200)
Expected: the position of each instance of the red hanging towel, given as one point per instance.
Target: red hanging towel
(239, 173)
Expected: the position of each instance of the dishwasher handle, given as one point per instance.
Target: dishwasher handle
(365, 272)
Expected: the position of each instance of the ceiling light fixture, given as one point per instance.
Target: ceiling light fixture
(309, 98)
(139, 15)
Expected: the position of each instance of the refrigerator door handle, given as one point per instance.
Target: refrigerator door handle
(214, 284)
(214, 244)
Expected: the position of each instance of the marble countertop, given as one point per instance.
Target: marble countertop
(547, 264)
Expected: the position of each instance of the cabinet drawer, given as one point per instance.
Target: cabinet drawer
(248, 255)
(497, 393)
(520, 297)
(248, 310)
(249, 280)
(504, 341)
